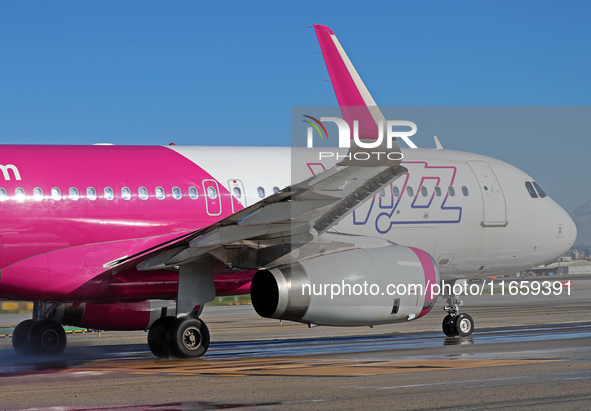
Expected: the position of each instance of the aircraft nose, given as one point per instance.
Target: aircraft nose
(567, 230)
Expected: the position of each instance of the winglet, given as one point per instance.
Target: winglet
(438, 145)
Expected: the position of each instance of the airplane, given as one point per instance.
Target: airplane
(141, 237)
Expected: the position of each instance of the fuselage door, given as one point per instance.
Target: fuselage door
(493, 199)
(238, 194)
(213, 200)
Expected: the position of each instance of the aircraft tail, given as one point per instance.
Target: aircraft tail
(355, 101)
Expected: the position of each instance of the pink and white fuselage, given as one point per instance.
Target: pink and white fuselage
(67, 211)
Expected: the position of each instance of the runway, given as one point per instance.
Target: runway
(535, 354)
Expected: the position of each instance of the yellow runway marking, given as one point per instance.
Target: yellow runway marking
(299, 366)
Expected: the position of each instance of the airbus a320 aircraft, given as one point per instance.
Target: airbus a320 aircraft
(134, 238)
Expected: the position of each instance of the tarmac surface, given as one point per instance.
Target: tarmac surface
(531, 352)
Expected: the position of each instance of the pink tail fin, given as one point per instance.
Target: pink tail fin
(353, 97)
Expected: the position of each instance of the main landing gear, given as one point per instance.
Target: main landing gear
(183, 337)
(41, 336)
(456, 324)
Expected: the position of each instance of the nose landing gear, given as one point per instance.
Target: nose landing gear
(456, 324)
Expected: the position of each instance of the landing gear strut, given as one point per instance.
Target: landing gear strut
(186, 336)
(456, 324)
(40, 336)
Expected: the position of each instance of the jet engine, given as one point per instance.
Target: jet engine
(351, 288)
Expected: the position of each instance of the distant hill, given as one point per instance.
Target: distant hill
(582, 218)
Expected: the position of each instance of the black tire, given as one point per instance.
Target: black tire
(158, 340)
(190, 338)
(46, 337)
(448, 326)
(19, 335)
(463, 325)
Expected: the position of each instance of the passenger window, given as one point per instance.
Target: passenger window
(424, 191)
(465, 191)
(109, 193)
(410, 191)
(261, 192)
(176, 193)
(382, 193)
(126, 193)
(3, 195)
(160, 193)
(451, 191)
(74, 194)
(37, 194)
(19, 194)
(539, 189)
(396, 191)
(56, 194)
(275, 190)
(437, 191)
(237, 192)
(211, 193)
(91, 193)
(143, 192)
(193, 193)
(530, 190)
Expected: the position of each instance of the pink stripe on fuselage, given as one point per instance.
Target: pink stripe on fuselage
(30, 227)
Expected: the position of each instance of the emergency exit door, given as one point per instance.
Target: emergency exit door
(237, 194)
(213, 200)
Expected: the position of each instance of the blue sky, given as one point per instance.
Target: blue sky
(228, 73)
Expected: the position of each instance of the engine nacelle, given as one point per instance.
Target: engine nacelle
(113, 316)
(358, 287)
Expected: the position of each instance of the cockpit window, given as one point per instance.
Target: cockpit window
(530, 190)
(539, 190)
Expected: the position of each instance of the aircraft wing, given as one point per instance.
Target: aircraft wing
(262, 233)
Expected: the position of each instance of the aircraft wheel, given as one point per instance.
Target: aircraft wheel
(158, 337)
(463, 325)
(46, 337)
(448, 326)
(19, 335)
(190, 337)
